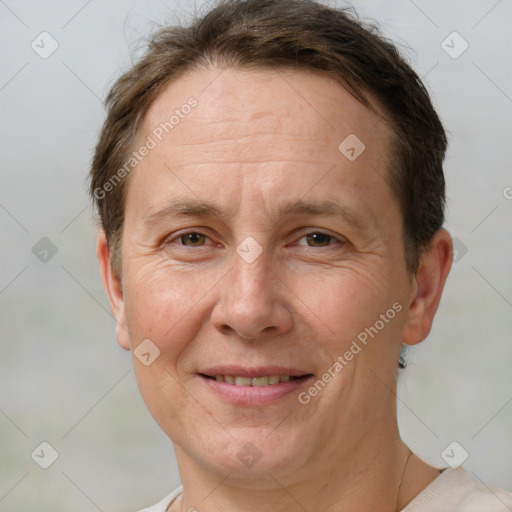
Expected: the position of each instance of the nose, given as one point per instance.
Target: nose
(253, 302)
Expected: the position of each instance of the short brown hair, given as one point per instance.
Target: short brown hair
(300, 34)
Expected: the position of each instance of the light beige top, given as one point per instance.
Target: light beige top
(454, 490)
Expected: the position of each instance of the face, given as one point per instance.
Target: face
(258, 243)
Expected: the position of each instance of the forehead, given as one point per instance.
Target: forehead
(265, 131)
(305, 104)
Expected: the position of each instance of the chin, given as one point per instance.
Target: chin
(252, 457)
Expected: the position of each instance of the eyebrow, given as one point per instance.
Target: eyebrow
(181, 208)
(193, 207)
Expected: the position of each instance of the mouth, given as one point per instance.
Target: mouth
(265, 380)
(256, 386)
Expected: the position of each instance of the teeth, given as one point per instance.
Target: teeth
(253, 381)
(243, 381)
(260, 381)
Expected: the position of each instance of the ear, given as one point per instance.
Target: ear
(114, 290)
(428, 285)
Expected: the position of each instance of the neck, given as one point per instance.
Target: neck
(363, 475)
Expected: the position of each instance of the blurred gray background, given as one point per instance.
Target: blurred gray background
(65, 381)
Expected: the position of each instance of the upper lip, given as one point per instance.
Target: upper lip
(253, 371)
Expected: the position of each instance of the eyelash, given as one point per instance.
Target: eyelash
(184, 234)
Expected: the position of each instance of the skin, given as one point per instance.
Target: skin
(257, 139)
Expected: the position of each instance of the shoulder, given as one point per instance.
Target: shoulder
(162, 505)
(455, 490)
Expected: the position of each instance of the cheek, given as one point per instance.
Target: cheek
(162, 304)
(355, 312)
(165, 306)
(343, 297)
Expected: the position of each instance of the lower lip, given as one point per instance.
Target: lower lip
(255, 395)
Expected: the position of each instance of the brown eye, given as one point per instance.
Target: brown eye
(318, 239)
(192, 239)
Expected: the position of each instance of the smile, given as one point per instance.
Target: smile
(254, 387)
(267, 380)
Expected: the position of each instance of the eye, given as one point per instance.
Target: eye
(187, 239)
(318, 239)
(190, 245)
(192, 239)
